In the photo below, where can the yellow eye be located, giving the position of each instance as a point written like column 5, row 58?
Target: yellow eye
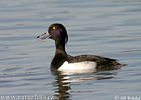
column 54, row 28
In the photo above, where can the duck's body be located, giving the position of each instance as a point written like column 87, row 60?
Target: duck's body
column 63, row 61
column 83, row 62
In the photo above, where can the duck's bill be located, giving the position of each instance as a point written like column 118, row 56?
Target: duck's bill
column 44, row 36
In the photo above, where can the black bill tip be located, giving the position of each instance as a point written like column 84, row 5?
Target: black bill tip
column 38, row 37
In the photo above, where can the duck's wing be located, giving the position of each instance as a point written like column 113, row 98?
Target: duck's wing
column 102, row 62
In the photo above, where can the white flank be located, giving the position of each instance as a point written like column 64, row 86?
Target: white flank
column 78, row 67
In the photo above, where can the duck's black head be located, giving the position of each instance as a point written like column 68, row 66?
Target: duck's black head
column 56, row 32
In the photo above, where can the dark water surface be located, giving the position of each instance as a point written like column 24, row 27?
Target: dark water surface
column 110, row 28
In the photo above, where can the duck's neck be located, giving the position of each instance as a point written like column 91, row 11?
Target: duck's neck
column 60, row 48
column 59, row 57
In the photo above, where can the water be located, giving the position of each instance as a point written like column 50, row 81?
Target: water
column 110, row 28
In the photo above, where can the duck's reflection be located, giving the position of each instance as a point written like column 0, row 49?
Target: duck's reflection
column 61, row 86
column 62, row 83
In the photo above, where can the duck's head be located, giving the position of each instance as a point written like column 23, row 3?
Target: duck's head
column 56, row 32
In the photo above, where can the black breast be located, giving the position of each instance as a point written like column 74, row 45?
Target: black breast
column 58, row 60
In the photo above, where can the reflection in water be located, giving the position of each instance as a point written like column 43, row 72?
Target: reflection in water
column 62, row 84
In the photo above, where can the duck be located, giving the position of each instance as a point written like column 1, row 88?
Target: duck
column 64, row 61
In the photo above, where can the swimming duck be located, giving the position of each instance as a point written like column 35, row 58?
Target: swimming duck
column 63, row 61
